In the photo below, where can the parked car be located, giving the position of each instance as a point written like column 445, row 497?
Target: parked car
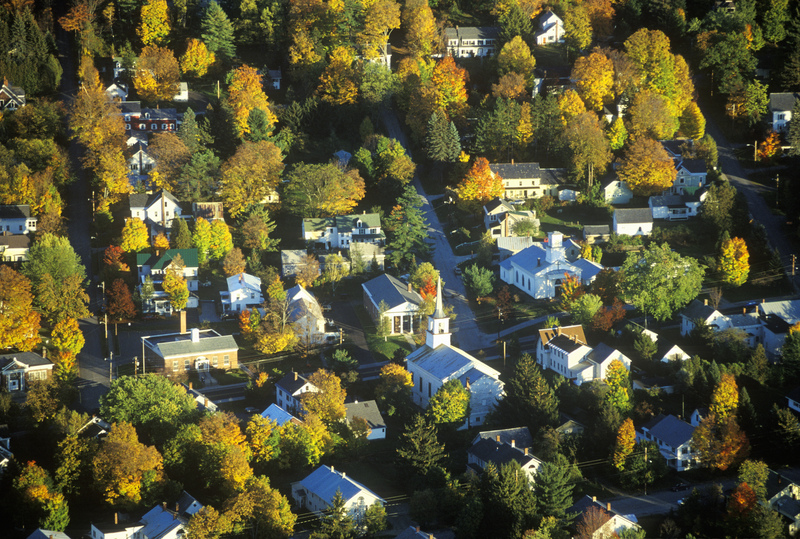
column 679, row 487
column 251, row 410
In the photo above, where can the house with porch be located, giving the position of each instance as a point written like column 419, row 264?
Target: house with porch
column 16, row 219
column 305, row 314
column 147, row 120
column 19, row 369
column 551, row 29
column 781, row 105
column 244, row 291
column 540, row 269
column 674, row 439
column 609, row 523
column 633, row 221
column 338, row 232
column 315, row 492
column 197, row 349
column 155, row 266
column 500, row 217
column 471, row 41
column 495, row 451
column 11, row 97
column 14, row 248
column 564, row 350
column 528, row 180
column 438, row 362
column 675, row 207
column 401, row 300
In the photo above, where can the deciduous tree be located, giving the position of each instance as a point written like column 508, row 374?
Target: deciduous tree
column 626, row 439
column 450, row 404
column 619, row 387
column 233, row 263
column 120, row 301
column 720, row 442
column 197, row 59
column 480, row 183
column 337, row 84
column 170, row 154
column 646, row 167
column 322, row 190
column 328, row 402
column 39, row 503
column 516, row 57
column 590, row 151
column 67, row 336
column 419, row 23
column 245, row 94
column 154, row 26
column 693, row 123
column 584, row 308
column 734, row 262
column 135, row 236
column 479, row 280
column 725, row 398
column 19, row 323
column 380, row 19
column 595, row 79
column 157, row 74
column 251, row 174
column 755, row 474
column 653, row 115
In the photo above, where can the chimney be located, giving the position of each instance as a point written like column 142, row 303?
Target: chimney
column 497, row 438
column 594, row 498
column 183, row 321
column 177, row 507
column 467, row 384
column 333, row 469
column 705, row 302
column 512, row 160
column 538, row 262
column 205, row 402
column 164, row 505
column 525, row 451
column 116, row 518
column 240, row 277
column 417, row 528
column 558, row 330
column 409, row 287
column 190, row 385
column 295, row 375
column 513, row 443
column 195, row 334
column 608, row 507
column 744, row 310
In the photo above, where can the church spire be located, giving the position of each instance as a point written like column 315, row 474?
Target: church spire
column 438, row 312
column 438, row 323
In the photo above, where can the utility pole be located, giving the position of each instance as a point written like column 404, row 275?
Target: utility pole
column 504, row 353
column 645, row 470
column 110, row 368
column 755, row 150
column 341, row 336
column 794, row 257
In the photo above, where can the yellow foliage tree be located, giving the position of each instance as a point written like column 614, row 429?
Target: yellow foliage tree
column 594, row 76
column 734, row 262
column 570, row 104
column 160, row 242
column 693, row 123
column 510, row 86
column 480, row 183
column 134, row 236
column 337, row 84
column 449, row 80
column 393, row 378
column 422, row 36
column 626, row 440
column 245, row 93
column 647, row 168
column 19, row 323
column 328, row 401
column 197, row 58
column 154, row 27
column 250, row 174
column 769, row 148
column 516, row 57
column 381, row 17
column 271, row 342
column 725, row 398
column 262, row 434
column 157, row 74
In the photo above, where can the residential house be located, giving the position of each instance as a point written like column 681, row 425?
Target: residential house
column 528, row 180
column 19, row 369
column 155, row 266
column 743, row 319
column 198, row 349
column 566, row 194
column 471, row 41
column 551, row 29
column 338, row 232
column 569, row 426
column 613, row 524
column 14, row 248
column 596, row 233
column 5, row 453
column 783, row 496
column 158, row 523
column 565, row 351
column 305, row 313
column 674, row 439
column 368, row 411
column 698, row 311
column 117, row 91
column 183, row 93
column 438, row 362
column 275, row 77
column 499, row 217
column 793, row 399
column 633, row 221
column 289, row 389
column 617, row 192
column 690, row 174
column 149, row 120
column 16, row 219
column 697, row 416
column 780, row 109
column 39, row 533
column 402, row 302
column 725, row 6
column 316, row 491
column 667, row 352
column 131, row 111
column 210, row 211
column 675, row 207
column 778, row 317
column 157, row 210
column 540, row 270
column 292, row 261
column 116, row 529
column 414, row 532
column 203, row 403
column 519, row 437
column 95, row 428
column 244, row 291
column 509, row 246
column 654, row 384
column 370, row 253
column 279, row 415
column 140, row 163
column 492, row 450
column 11, row 97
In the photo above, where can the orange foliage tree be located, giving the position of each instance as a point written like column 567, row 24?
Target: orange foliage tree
column 770, row 148
column 626, row 440
column 245, row 93
column 480, row 184
column 571, row 289
column 720, row 442
column 450, row 82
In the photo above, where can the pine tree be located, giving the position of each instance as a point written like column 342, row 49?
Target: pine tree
column 180, row 236
column 408, row 229
column 443, row 143
column 259, row 124
column 529, row 399
column 794, row 126
column 337, row 523
column 191, row 133
column 419, row 446
column 507, row 500
column 553, row 489
column 217, row 32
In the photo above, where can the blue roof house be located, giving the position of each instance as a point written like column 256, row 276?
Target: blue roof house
column 317, row 490
column 674, row 439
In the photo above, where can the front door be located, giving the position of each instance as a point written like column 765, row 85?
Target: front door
column 201, row 364
column 397, row 321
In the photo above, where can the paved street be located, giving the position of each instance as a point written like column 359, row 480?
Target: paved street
column 657, row 503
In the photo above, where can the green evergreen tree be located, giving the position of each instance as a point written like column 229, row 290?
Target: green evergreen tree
column 337, row 522
column 419, row 447
column 507, row 501
column 259, row 124
column 553, row 489
column 775, row 21
column 192, row 133
column 409, row 228
column 794, row 125
column 442, row 141
column 199, row 177
column 514, row 22
column 180, row 237
column 529, row 399
column 217, row 33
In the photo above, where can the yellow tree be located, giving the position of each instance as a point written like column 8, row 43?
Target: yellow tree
column 175, row 283
column 263, row 437
column 337, row 83
column 154, row 27
column 245, row 93
column 223, row 428
column 160, row 242
column 647, row 168
column 197, row 58
column 67, row 336
column 734, row 262
column 392, row 379
column 480, row 184
column 250, row 174
column 594, row 76
column 381, row 17
column 422, row 36
column 626, row 440
column 272, row 342
column 449, row 80
column 19, row 323
column 725, row 398
column 570, row 105
column 693, row 123
column 328, row 401
column 157, row 74
column 516, row 57
column 652, row 115
column 134, row 236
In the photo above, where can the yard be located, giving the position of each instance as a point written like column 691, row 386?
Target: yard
column 382, row 349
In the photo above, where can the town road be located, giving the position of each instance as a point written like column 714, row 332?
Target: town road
column 466, row 333
column 657, row 503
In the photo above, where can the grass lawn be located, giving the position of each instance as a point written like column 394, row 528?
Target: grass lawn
column 232, row 376
column 551, row 55
column 383, row 350
column 486, row 313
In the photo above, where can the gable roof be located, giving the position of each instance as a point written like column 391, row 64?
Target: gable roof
column 302, row 302
column 514, row 243
column 598, row 230
column 521, row 436
column 31, row 359
column 130, row 107
column 181, row 344
column 156, row 262
column 344, row 222
column 445, row 362
column 497, row 203
column 548, row 334
column 472, row 32
column 15, row 241
column 633, row 215
column 669, row 429
column 788, row 310
column 278, row 415
column 244, row 280
column 367, row 410
column 521, row 171
column 602, row 352
column 500, row 453
column 565, row 343
column 292, row 382
column 325, row 482
column 144, row 200
column 694, row 166
column 39, row 533
column 391, row 290
column 15, row 211
column 781, row 101
column 698, row 310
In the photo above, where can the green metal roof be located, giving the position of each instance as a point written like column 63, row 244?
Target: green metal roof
column 189, row 257
column 368, row 220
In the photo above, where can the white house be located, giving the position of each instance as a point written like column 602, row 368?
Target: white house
column 612, row 526
column 780, row 108
column 183, row 93
column 499, row 217
column 368, row 411
column 783, row 496
column 157, row 210
column 540, row 270
column 793, row 399
column 778, row 317
column 279, row 415
column 155, row 267
column 244, row 290
column 674, row 439
column 402, row 302
column 161, row 522
column 338, row 232
column 675, row 207
column 594, row 234
column 317, row 490
column 16, row 219
column 438, row 362
column 140, row 163
column 117, row 91
column 617, row 192
column 305, row 314
column 633, row 221
column 497, row 452
column 19, row 369
column 11, row 97
column 288, row 390
column 745, row 320
column 471, row 41
column 702, row 311
column 551, row 29
column 528, row 180
column 564, row 350
column 370, row 253
column 14, row 248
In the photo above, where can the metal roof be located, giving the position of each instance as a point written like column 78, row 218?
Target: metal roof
column 669, row 429
column 391, row 290
column 445, row 362
column 277, row 414
column 31, row 359
column 325, row 482
column 521, row 436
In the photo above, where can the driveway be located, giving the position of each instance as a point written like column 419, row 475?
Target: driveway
column 343, row 314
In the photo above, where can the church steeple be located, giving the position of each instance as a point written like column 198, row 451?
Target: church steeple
column 438, row 323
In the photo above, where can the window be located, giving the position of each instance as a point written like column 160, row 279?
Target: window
column 154, row 127
column 429, row 390
column 164, row 126
column 187, row 364
column 174, row 365
column 226, row 360
column 37, row 375
column 215, row 361
column 127, row 127
column 20, row 227
column 420, row 384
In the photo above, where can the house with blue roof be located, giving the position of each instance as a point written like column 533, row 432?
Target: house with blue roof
column 436, row 363
column 401, row 302
column 674, row 439
column 539, row 270
column 317, row 490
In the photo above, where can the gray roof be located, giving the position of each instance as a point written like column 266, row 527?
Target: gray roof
column 325, row 481
column 181, row 344
column 669, row 429
column 292, row 382
column 144, row 200
column 520, row 171
column 521, row 436
column 782, row 100
column 391, row 290
column 514, row 243
column 563, row 342
column 277, row 414
column 445, row 361
column 39, row 533
column 497, row 203
column 367, row 410
column 601, row 352
column 695, row 166
column 666, row 200
column 130, row 107
column 499, row 453
column 698, row 310
column 16, row 241
column 472, row 32
column 596, row 230
column 633, row 215
column 788, row 310
column 12, row 211
column 344, row 222
column 31, row 359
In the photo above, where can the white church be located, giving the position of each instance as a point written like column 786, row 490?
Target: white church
column 438, row 362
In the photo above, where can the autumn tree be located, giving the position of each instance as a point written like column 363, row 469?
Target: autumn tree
column 733, row 264
column 394, row 387
column 380, row 19
column 120, row 301
column 571, row 290
column 251, row 174
column 67, row 336
column 422, row 35
column 221, row 240
column 653, row 115
column 755, row 473
column 154, row 27
column 589, row 147
column 234, row 263
column 246, row 93
column 647, row 167
column 170, row 154
column 591, row 520
column 308, row 271
column 450, row 404
column 322, row 190
column 258, row 506
column 725, row 398
column 38, row 501
column 619, row 390
column 769, row 148
column 720, row 442
column 197, row 59
column 337, row 84
column 480, row 183
column 328, row 402
column 595, row 79
column 449, row 81
column 577, row 28
column 135, row 236
column 19, row 323
column 157, row 74
column 175, row 283
column 626, row 439
column 510, row 86
column 255, row 227
column 124, row 468
column 263, row 436
column 692, row 121
column 217, row 32
column 516, row 57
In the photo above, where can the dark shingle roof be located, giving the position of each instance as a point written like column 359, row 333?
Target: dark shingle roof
column 596, row 230
column 697, row 309
column 367, row 410
column 695, row 166
column 292, row 382
column 562, row 342
column 144, row 200
column 472, row 32
column 16, row 241
column 520, row 171
column 130, row 107
column 344, row 222
column 499, row 453
column 11, row 211
column 633, row 215
column 669, row 429
column 520, row 435
column 391, row 290
column 782, row 100
column 32, row 359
